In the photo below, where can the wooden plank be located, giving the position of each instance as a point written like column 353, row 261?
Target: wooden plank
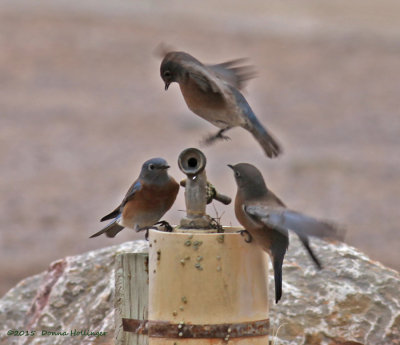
column 131, row 295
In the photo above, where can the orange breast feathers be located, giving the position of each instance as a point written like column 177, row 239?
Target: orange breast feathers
column 259, row 231
column 152, row 199
column 197, row 99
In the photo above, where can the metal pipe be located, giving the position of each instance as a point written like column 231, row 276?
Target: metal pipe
column 192, row 162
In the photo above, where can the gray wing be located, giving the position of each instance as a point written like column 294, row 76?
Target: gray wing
column 129, row 195
column 233, row 73
column 136, row 186
column 203, row 77
column 283, row 219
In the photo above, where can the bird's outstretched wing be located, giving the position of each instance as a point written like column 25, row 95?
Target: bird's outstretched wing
column 281, row 218
column 203, row 77
column 234, row 72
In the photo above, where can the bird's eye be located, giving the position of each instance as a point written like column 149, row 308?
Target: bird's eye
column 151, row 167
column 237, row 173
column 167, row 74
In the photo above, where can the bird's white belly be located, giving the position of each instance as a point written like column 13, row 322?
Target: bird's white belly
column 221, row 118
column 142, row 221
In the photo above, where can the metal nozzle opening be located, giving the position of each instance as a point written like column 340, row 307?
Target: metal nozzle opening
column 192, row 161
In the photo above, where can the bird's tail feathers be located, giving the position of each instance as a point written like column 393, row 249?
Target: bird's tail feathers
column 277, row 263
column 111, row 230
column 267, row 141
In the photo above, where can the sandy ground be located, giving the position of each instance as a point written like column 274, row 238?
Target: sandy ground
column 82, row 106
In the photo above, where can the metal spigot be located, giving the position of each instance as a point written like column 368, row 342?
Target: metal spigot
column 198, row 192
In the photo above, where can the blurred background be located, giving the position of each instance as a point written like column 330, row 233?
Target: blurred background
column 82, row 106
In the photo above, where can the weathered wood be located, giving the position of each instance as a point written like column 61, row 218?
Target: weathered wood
column 216, row 283
column 131, row 295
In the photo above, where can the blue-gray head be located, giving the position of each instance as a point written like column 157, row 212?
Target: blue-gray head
column 249, row 180
column 154, row 171
column 172, row 69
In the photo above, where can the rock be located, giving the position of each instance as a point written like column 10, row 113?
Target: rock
column 352, row 301
column 74, row 295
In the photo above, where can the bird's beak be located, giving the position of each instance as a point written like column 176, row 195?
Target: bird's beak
column 231, row 166
column 167, row 85
column 165, row 167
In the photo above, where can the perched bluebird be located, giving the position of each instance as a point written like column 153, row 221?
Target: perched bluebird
column 211, row 91
column 146, row 201
column 267, row 220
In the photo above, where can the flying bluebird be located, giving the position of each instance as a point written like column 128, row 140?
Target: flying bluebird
column 212, row 92
column 146, row 201
column 268, row 221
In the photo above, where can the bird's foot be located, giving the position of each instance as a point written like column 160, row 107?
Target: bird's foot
column 247, row 235
column 215, row 224
column 221, row 136
column 165, row 224
column 214, row 137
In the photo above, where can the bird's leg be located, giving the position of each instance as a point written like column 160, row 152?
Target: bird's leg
column 165, row 224
column 218, row 136
column 248, row 238
column 146, row 234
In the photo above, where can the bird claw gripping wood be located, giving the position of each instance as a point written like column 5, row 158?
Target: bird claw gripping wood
column 247, row 236
column 165, row 224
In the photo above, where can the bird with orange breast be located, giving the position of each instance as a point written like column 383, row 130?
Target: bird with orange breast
column 267, row 220
column 146, row 201
column 212, row 92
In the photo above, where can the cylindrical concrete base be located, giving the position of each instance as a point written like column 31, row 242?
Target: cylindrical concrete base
column 206, row 279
